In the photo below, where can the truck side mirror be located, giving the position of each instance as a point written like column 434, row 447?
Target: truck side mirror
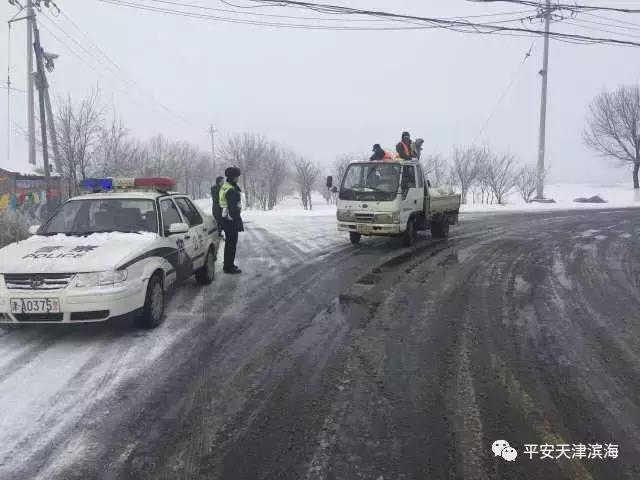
column 329, row 182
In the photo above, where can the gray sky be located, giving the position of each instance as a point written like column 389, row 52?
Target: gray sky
column 324, row 93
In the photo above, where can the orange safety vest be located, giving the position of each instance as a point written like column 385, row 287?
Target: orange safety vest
column 407, row 150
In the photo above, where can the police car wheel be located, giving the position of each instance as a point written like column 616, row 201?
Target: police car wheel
column 154, row 303
column 207, row 272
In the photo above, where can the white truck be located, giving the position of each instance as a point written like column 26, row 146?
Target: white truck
column 393, row 199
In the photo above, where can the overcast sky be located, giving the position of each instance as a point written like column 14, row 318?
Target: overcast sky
column 324, row 93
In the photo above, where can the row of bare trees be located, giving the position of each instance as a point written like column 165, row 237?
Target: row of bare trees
column 94, row 142
column 269, row 171
column 489, row 176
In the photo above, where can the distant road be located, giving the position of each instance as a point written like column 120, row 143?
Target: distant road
column 328, row 361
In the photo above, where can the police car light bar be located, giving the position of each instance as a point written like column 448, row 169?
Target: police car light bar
column 96, row 184
column 162, row 184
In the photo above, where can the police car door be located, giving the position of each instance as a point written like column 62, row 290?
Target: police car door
column 182, row 258
column 197, row 230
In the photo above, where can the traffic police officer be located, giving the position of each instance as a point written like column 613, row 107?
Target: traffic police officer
column 231, row 205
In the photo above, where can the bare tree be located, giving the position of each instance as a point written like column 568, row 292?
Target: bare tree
column 466, row 168
column 499, row 175
column 306, row 175
column 246, row 151
column 271, row 176
column 435, row 168
column 526, row 181
column 78, row 129
column 613, row 127
column 340, row 166
column 115, row 152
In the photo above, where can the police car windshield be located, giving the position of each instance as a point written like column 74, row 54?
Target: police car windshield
column 82, row 217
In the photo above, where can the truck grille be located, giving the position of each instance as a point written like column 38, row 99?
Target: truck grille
column 365, row 217
column 45, row 281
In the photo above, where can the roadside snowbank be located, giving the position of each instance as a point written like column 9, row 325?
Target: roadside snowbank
column 616, row 196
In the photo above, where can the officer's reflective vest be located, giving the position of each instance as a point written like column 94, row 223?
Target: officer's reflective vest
column 222, row 198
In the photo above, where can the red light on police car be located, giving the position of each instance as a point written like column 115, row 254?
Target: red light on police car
column 161, row 183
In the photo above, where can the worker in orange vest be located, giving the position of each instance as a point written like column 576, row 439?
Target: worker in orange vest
column 404, row 147
column 380, row 155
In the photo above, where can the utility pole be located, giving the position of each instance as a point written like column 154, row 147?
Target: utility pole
column 543, row 105
column 212, row 132
column 41, row 82
column 31, row 118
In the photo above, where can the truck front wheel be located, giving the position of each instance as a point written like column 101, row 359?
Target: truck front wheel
column 410, row 233
column 355, row 238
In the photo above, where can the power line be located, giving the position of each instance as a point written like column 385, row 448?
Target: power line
column 259, row 14
column 514, row 77
column 107, row 63
column 223, row 19
column 447, row 24
column 562, row 6
column 306, row 26
column 463, row 26
column 13, row 89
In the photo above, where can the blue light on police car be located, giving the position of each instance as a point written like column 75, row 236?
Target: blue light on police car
column 97, row 184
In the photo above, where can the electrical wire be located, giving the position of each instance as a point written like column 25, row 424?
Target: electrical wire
column 504, row 94
column 557, row 5
column 182, row 13
column 455, row 25
column 108, row 64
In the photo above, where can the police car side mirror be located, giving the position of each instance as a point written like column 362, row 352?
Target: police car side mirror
column 178, row 228
column 33, row 229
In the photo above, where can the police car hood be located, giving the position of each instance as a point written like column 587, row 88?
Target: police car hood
column 74, row 254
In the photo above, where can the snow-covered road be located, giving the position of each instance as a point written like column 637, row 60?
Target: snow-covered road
column 325, row 360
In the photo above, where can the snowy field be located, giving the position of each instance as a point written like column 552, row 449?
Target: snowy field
column 564, row 194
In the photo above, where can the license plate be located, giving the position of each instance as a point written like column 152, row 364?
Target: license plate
column 364, row 229
column 35, row 305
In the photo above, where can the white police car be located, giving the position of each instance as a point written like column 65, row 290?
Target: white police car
column 108, row 254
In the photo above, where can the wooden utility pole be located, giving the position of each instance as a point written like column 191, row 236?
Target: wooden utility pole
column 41, row 83
column 543, row 105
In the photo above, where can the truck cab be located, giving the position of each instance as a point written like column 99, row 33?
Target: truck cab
column 393, row 199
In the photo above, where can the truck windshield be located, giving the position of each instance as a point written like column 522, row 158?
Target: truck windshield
column 83, row 217
column 370, row 181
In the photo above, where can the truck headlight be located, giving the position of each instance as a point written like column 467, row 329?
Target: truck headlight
column 395, row 217
column 344, row 215
column 101, row 279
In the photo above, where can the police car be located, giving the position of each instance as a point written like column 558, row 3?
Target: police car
column 108, row 253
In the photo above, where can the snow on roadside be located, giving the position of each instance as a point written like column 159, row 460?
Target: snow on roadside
column 564, row 194
column 310, row 230
column 290, row 215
